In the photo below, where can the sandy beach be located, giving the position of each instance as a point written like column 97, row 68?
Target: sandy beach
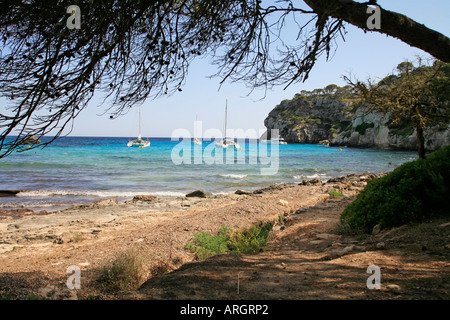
column 306, row 259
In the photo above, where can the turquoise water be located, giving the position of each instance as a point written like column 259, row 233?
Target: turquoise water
column 74, row 170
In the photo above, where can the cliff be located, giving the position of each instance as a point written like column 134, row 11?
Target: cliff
column 310, row 118
column 336, row 116
column 375, row 130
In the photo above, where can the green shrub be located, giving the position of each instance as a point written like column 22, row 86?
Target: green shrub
column 205, row 245
column 335, row 194
column 414, row 192
column 124, row 272
column 251, row 241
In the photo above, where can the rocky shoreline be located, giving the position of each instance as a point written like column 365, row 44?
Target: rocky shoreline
column 36, row 250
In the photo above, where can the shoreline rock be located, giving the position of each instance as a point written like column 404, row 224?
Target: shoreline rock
column 30, row 140
column 9, row 193
column 198, row 194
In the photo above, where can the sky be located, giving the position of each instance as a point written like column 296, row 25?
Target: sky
column 362, row 54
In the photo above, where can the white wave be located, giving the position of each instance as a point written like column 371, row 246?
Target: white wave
column 233, row 176
column 99, row 194
column 320, row 176
column 165, row 194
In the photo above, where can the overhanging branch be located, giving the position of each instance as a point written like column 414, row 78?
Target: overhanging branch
column 393, row 24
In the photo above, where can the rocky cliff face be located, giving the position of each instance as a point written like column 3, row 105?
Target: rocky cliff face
column 374, row 130
column 312, row 119
column 309, row 119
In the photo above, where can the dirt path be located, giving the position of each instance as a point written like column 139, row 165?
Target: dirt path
column 306, row 259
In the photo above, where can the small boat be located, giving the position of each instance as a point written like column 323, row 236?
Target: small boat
column 274, row 140
column 227, row 142
column 139, row 142
column 196, row 140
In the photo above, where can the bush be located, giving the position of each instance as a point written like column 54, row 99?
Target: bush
column 336, row 194
column 124, row 272
column 206, row 245
column 414, row 192
column 250, row 241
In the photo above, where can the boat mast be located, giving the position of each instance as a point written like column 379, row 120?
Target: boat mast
column 195, row 126
column 225, row 126
column 139, row 137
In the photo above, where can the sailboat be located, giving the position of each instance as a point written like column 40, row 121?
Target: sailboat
column 139, row 142
column 227, row 142
column 196, row 140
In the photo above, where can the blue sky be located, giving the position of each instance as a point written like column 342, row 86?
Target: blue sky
column 364, row 55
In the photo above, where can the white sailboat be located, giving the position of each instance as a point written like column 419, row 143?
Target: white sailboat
column 139, row 142
column 196, row 140
column 227, row 142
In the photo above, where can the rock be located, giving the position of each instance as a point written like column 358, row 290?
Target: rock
column 9, row 193
column 311, row 182
column 144, row 198
column 327, row 236
column 283, row 202
column 376, row 230
column 340, row 252
column 197, row 194
column 393, row 288
column 104, row 203
column 242, row 192
column 380, row 245
column 348, row 249
column 84, row 264
column 301, row 210
column 30, row 140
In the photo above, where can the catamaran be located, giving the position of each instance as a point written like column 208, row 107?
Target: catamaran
column 139, row 142
column 227, row 142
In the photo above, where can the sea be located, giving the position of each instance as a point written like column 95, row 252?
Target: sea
column 79, row 170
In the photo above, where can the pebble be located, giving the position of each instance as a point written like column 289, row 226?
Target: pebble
column 393, row 288
column 327, row 236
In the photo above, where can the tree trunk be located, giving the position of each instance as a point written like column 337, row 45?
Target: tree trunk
column 420, row 142
column 392, row 23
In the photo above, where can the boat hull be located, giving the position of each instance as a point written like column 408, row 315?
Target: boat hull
column 227, row 146
column 142, row 144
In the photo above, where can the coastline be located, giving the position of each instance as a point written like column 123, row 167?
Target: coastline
column 36, row 250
